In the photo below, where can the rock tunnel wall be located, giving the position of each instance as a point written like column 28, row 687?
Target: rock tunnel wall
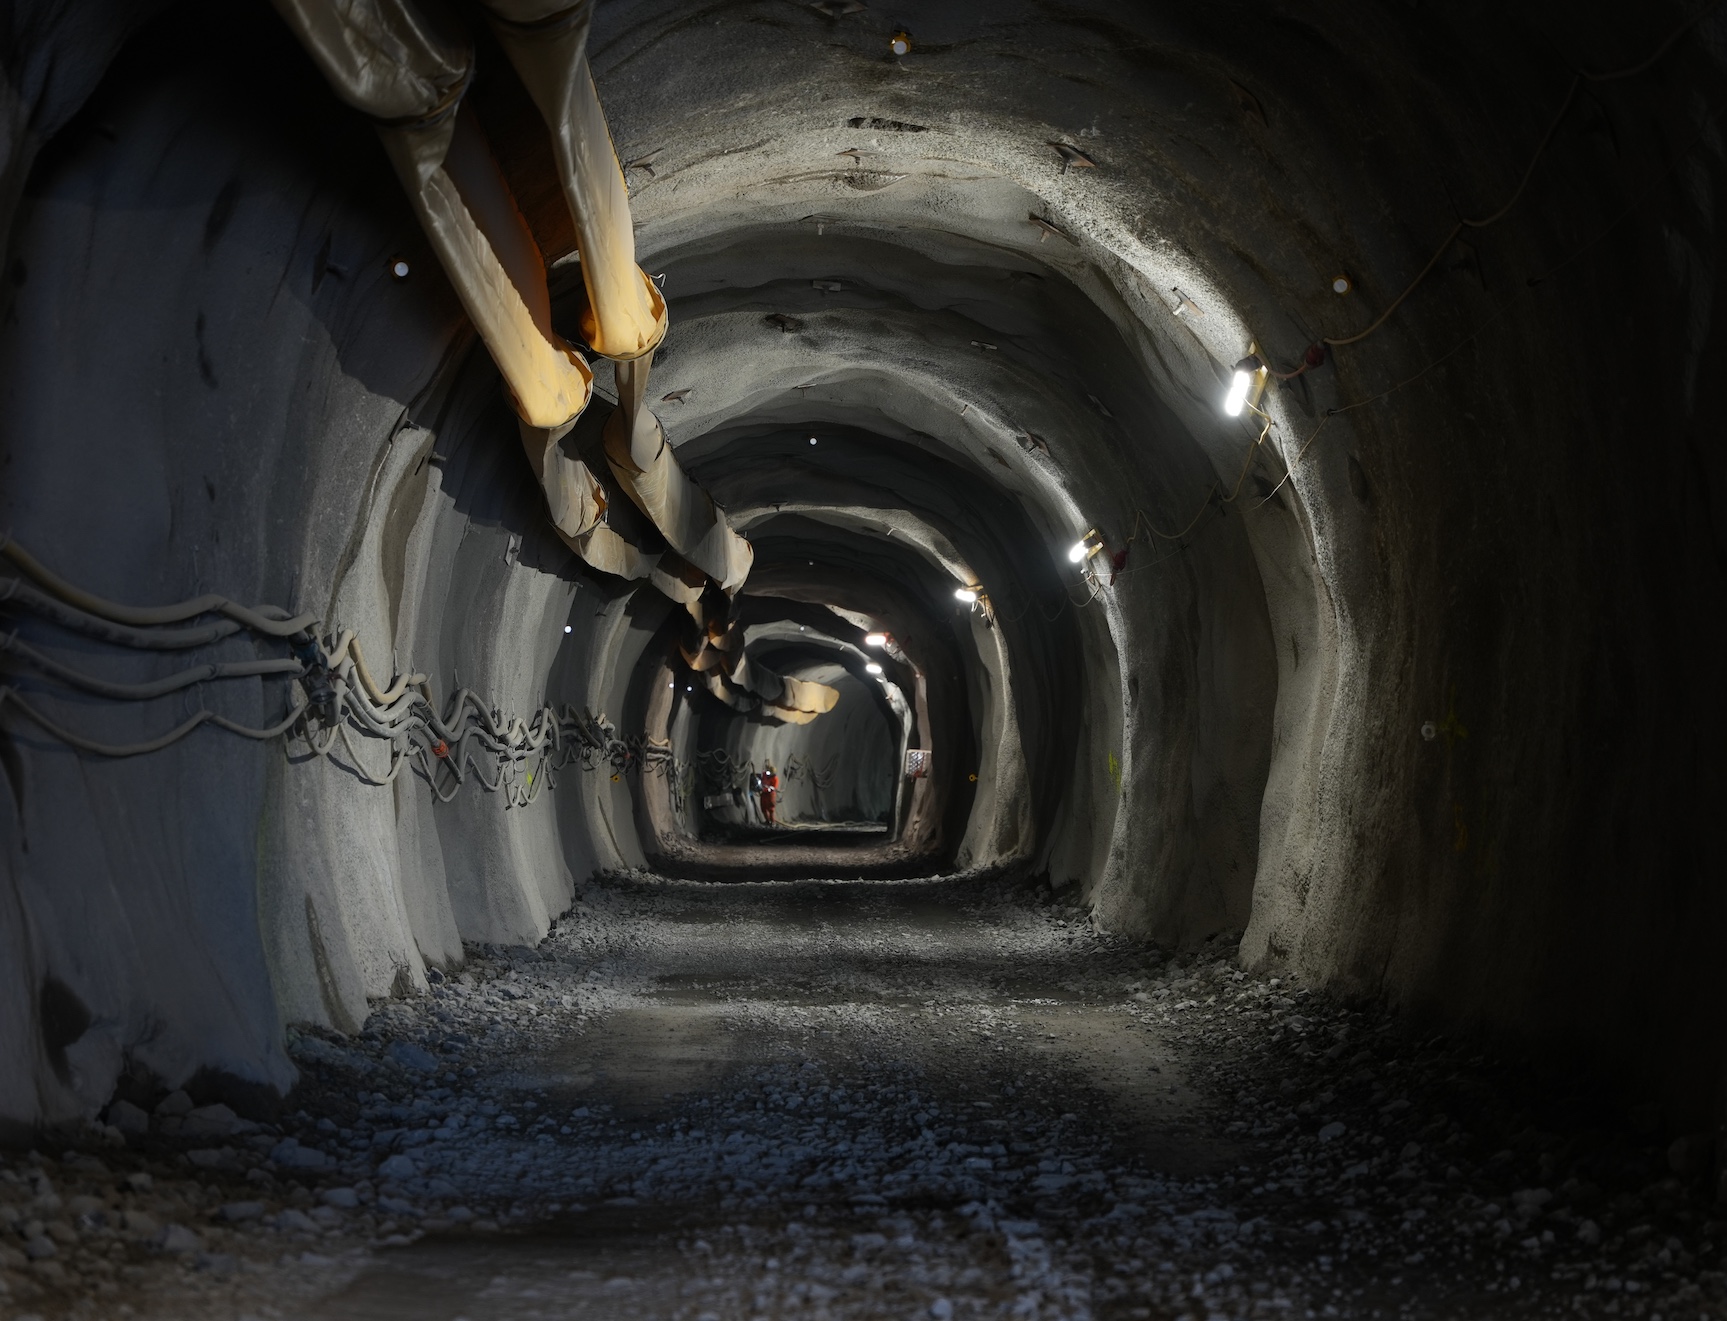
column 1503, row 520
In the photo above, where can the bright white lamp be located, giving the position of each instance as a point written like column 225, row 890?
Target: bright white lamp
column 1246, row 372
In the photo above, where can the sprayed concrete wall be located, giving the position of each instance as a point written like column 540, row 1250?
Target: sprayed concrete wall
column 1495, row 519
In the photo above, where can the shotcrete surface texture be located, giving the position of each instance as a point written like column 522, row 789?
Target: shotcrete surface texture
column 941, row 1099
column 1495, row 539
column 1470, row 545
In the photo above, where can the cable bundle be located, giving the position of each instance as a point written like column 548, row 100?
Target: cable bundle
column 334, row 695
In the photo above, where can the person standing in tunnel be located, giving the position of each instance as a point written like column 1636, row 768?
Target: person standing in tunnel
column 770, row 792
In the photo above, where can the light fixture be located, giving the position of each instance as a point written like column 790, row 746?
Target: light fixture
column 875, row 639
column 568, row 629
column 812, row 440
column 1249, row 379
column 399, row 267
column 873, row 668
column 1090, row 544
column 966, row 594
column 900, row 42
column 1341, row 284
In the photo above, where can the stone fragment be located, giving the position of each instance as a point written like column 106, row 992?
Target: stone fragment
column 289, row 1154
column 128, row 1118
column 410, row 1056
column 398, row 1167
column 1332, row 1131
column 345, row 1199
column 215, row 1121
column 292, row 1221
column 178, row 1239
column 237, row 1212
column 139, row 1223
column 1691, row 1155
column 175, row 1105
column 39, row 1247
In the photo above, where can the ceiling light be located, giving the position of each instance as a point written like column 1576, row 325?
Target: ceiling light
column 900, row 42
column 812, row 440
column 1247, row 372
column 966, row 594
column 400, row 268
column 567, row 628
column 873, row 668
column 1342, row 284
column 1090, row 544
column 875, row 639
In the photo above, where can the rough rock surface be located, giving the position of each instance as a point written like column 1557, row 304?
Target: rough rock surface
column 939, row 1098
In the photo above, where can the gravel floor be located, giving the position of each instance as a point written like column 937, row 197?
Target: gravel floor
column 893, row 1099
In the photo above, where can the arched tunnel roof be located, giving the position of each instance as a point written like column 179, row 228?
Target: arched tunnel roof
column 1397, row 679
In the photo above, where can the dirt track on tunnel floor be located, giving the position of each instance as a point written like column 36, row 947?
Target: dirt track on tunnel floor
column 913, row 1099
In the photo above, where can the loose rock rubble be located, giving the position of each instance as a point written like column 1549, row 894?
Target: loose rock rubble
column 942, row 1099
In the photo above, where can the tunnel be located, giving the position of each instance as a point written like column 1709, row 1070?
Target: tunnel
column 1120, row 725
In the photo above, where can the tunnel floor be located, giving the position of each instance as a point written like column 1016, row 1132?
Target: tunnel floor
column 903, row 1099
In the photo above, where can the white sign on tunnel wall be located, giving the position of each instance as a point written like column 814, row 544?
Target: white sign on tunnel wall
column 916, row 763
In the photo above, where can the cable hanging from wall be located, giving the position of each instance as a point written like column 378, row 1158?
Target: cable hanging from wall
column 334, row 696
column 1316, row 353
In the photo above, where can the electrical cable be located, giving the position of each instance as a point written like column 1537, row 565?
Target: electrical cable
column 15, row 591
column 272, row 621
column 1577, row 80
column 11, row 696
column 1504, row 308
column 145, row 691
column 1141, row 518
column 336, row 697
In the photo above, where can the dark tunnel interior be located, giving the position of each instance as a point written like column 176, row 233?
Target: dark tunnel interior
column 1094, row 694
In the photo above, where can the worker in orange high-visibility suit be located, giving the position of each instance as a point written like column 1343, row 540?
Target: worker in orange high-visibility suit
column 770, row 791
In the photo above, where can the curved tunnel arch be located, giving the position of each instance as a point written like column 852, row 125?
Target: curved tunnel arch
column 1225, row 737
